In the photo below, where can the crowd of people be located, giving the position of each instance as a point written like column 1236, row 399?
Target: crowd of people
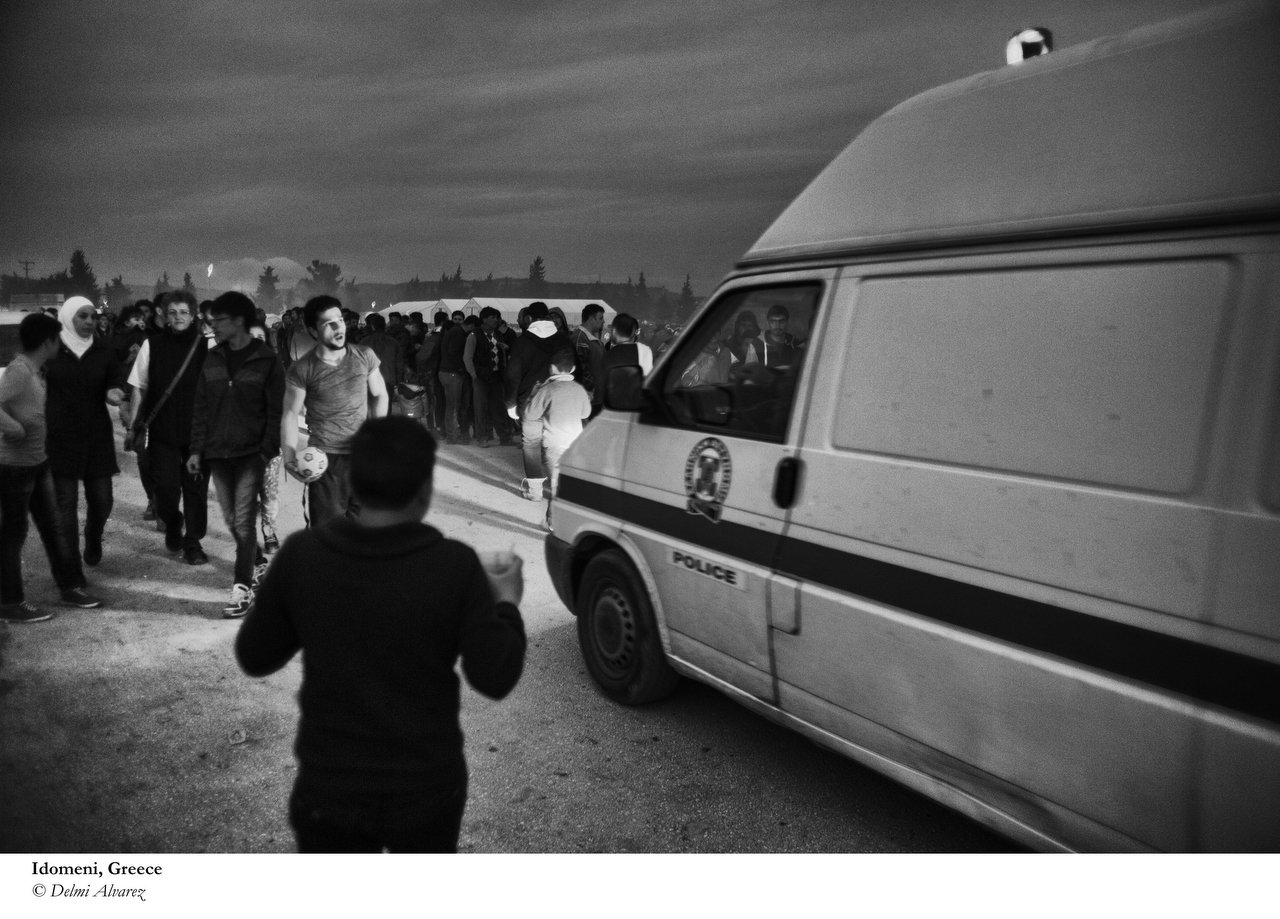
column 217, row 391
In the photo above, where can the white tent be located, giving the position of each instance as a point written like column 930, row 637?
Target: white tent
column 510, row 307
column 426, row 307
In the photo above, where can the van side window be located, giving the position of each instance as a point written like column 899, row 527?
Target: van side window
column 736, row 372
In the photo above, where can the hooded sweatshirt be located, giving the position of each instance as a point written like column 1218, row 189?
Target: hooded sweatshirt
column 379, row 693
column 530, row 361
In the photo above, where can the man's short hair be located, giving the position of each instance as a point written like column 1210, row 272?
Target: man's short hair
column 489, row 311
column 440, row 318
column 178, row 296
column 458, row 315
column 391, row 459
column 394, row 315
column 537, row 311
column 590, row 311
column 416, row 315
column 625, row 325
column 317, row 307
column 375, row 322
column 37, row 328
column 778, row 311
column 471, row 322
column 237, row 306
column 133, row 309
column 563, row 360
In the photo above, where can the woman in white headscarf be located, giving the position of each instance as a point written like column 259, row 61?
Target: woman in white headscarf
column 83, row 379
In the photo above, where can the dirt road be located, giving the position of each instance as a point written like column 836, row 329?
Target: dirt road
column 131, row 729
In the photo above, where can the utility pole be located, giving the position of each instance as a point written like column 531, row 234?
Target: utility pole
column 26, row 271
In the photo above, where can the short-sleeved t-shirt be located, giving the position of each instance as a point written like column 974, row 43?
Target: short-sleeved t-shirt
column 22, row 393
column 337, row 395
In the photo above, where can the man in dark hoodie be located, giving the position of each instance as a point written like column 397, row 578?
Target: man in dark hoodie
column 235, row 430
column 380, row 751
column 529, row 365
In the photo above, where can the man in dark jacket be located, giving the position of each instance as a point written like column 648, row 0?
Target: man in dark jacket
column 163, row 358
column 454, row 379
column 427, row 362
column 389, row 349
column 485, row 358
column 529, row 365
column 235, row 431
column 380, row 751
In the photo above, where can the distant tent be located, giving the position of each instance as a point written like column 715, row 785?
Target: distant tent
column 426, row 307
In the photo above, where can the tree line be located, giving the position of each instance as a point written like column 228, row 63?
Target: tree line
column 322, row 277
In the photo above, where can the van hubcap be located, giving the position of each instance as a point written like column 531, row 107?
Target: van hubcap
column 614, row 625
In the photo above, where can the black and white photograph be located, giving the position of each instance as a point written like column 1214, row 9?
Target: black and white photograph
column 726, row 454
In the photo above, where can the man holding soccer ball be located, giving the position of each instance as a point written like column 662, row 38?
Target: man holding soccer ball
column 340, row 386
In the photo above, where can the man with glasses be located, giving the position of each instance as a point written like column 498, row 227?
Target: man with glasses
column 165, row 410
column 336, row 382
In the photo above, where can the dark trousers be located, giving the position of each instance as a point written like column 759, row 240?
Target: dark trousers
column 174, row 483
column 330, row 495
column 236, row 482
column 435, row 400
column 457, row 403
column 426, row 821
column 28, row 490
column 98, row 501
column 144, row 473
column 490, row 408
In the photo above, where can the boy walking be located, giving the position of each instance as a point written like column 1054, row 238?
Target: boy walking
column 235, row 430
column 561, row 405
column 381, row 764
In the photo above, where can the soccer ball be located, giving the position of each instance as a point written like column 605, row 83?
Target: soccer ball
column 312, row 463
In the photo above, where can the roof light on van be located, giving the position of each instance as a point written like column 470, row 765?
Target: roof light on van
column 1031, row 42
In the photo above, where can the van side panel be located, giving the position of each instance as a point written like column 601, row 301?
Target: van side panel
column 1013, row 489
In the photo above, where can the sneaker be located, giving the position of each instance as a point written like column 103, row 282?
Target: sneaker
column 194, row 555
column 270, row 542
column 238, row 605
column 150, row 512
column 22, row 611
column 77, row 596
column 259, row 572
column 531, row 489
column 92, row 551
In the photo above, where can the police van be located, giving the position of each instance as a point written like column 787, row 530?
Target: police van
column 970, row 470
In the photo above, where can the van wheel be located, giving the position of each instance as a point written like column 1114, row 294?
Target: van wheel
column 618, row 634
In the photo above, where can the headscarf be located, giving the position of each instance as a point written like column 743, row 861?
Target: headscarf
column 70, row 337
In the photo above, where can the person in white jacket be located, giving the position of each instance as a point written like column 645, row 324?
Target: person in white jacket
column 561, row 405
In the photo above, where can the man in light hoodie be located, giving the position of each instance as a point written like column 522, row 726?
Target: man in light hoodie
column 529, row 365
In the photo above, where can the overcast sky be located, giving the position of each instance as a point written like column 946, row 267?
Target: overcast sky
column 406, row 137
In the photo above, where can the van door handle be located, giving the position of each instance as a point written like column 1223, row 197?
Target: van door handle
column 786, row 482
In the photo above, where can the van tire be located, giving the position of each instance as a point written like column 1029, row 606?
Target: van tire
column 619, row 635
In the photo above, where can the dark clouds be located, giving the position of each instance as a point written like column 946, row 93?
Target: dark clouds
column 402, row 138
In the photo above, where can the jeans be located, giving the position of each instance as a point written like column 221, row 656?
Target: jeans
column 172, row 482
column 29, row 490
column 270, row 494
column 98, row 501
column 236, row 482
column 426, row 821
column 490, row 409
column 453, row 412
column 531, row 446
column 330, row 496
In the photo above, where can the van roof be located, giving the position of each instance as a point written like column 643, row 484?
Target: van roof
column 1167, row 124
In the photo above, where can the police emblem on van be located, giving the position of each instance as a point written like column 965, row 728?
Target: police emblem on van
column 707, row 476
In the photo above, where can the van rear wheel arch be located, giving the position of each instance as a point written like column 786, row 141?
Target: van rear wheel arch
column 618, row 632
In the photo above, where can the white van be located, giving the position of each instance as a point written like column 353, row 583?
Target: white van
column 998, row 515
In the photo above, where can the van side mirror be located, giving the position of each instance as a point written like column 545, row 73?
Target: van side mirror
column 624, row 389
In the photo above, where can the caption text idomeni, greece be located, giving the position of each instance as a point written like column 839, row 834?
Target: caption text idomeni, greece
column 114, row 869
